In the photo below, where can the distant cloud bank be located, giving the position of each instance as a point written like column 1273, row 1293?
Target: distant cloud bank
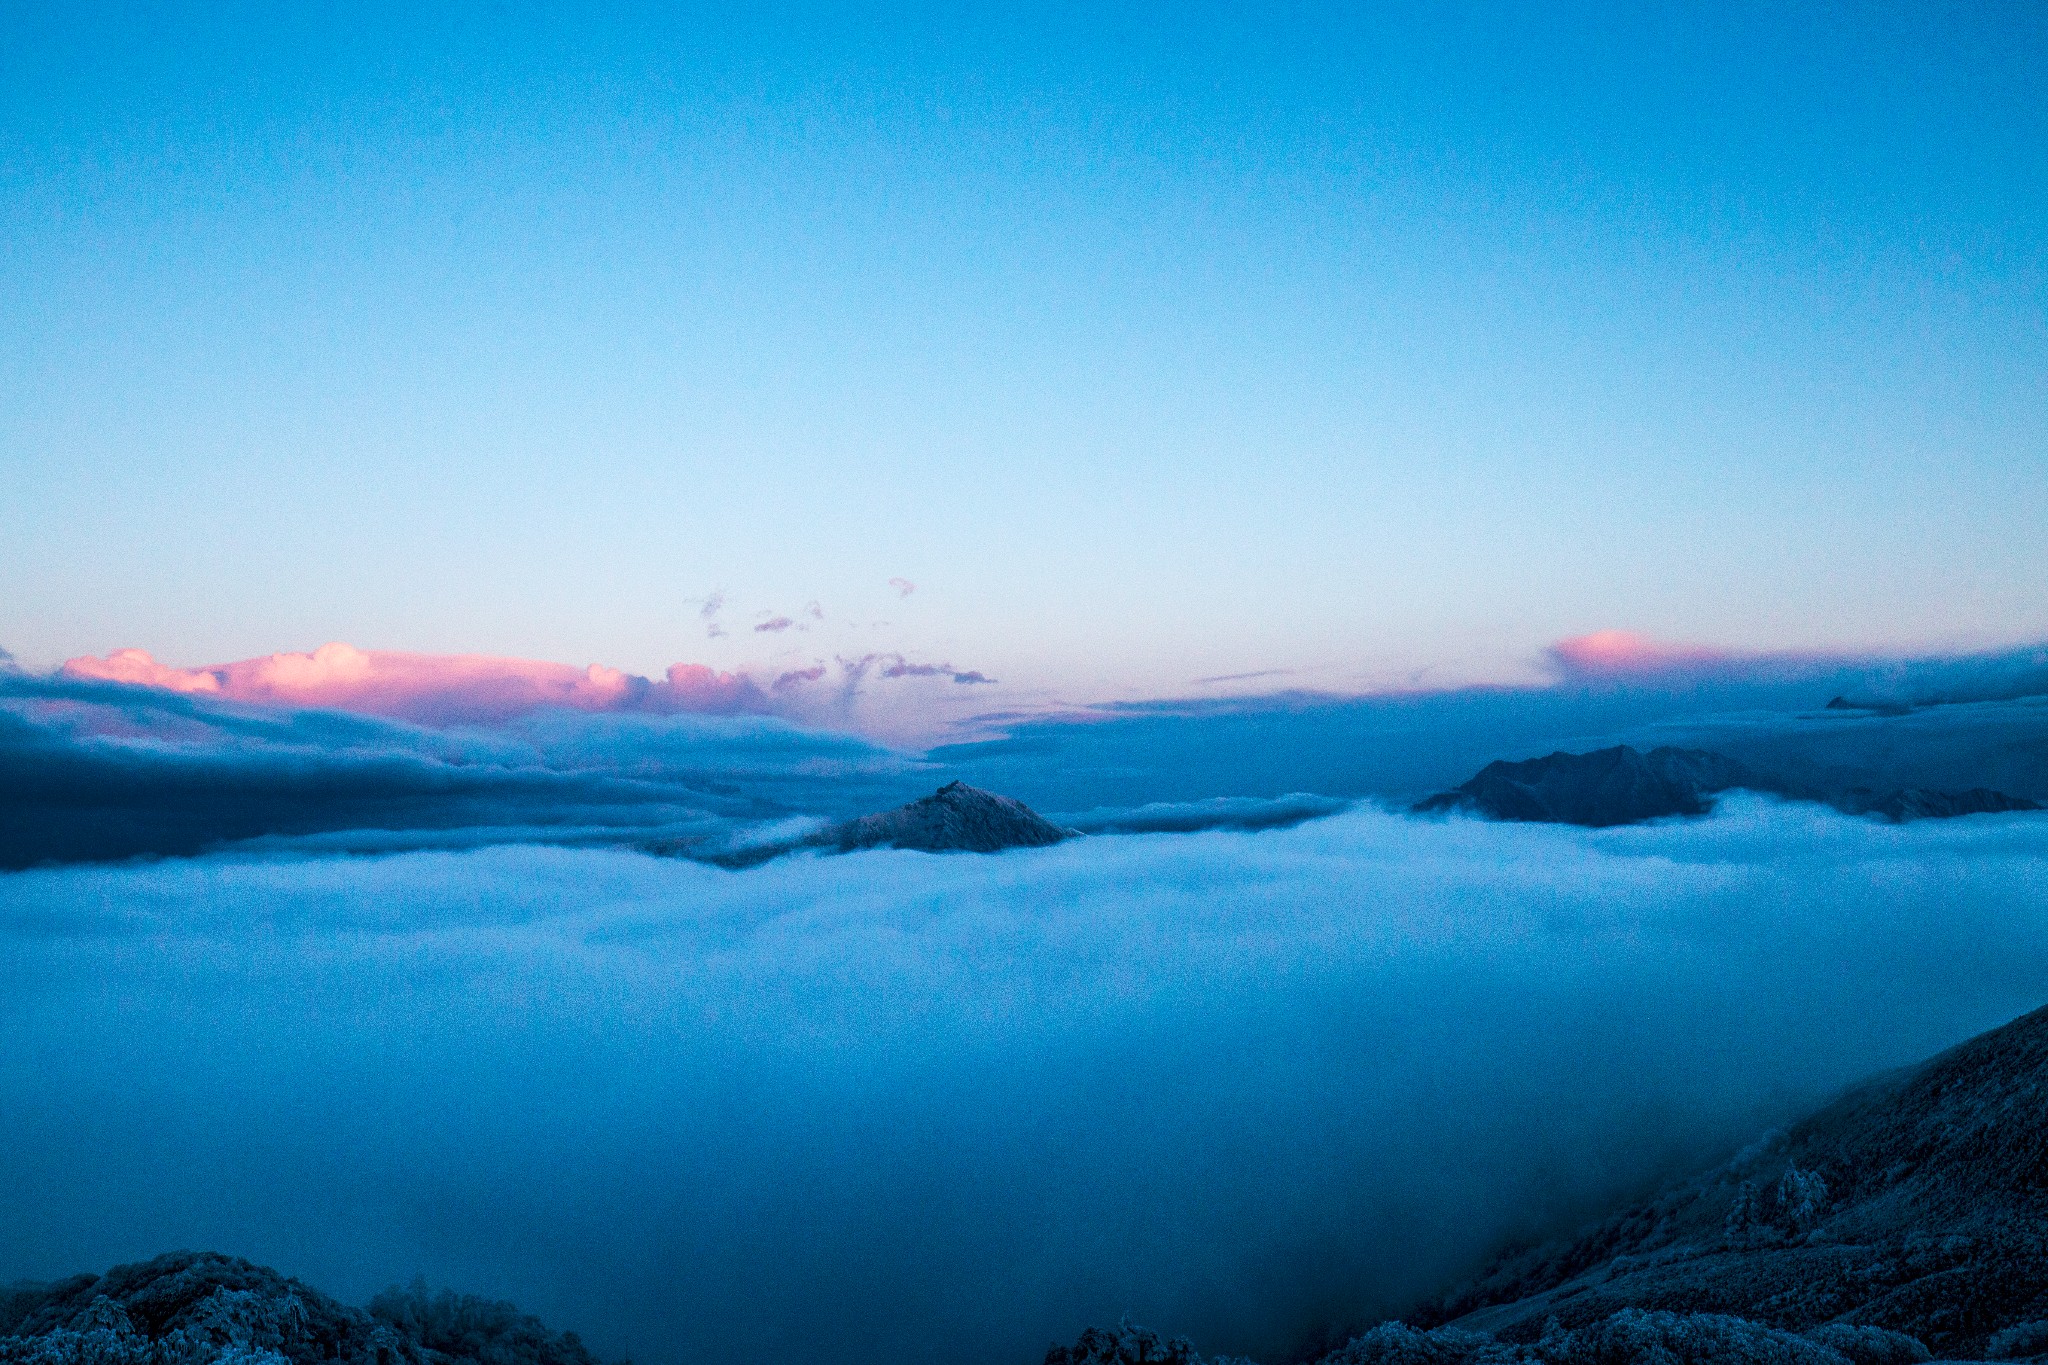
column 431, row 688
column 472, row 689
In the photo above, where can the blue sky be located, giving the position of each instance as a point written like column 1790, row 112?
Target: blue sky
column 1377, row 347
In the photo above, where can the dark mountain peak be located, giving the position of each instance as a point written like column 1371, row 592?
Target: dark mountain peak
column 1619, row 785
column 956, row 818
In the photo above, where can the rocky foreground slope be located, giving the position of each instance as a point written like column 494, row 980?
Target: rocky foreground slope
column 1906, row 1221
column 202, row 1308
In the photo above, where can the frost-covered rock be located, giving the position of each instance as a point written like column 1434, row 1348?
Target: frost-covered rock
column 201, row 1308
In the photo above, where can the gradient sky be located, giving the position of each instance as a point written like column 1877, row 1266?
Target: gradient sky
column 1373, row 346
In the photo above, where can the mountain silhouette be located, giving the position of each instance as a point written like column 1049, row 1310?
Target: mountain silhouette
column 1622, row 785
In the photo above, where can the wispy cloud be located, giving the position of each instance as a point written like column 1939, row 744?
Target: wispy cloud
column 904, row 587
column 708, row 614
column 895, row 666
column 1247, row 677
column 774, row 625
column 798, row 677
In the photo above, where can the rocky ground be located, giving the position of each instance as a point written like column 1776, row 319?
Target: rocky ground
column 202, row 1308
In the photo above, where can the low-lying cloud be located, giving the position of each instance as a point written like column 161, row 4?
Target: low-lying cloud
column 1219, row 812
column 894, row 1107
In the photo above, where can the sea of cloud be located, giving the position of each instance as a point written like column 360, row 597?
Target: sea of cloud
column 1247, row 1086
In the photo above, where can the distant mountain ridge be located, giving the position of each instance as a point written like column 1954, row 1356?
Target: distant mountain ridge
column 1622, row 785
column 1615, row 786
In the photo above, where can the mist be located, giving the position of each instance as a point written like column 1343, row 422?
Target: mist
column 1251, row 1087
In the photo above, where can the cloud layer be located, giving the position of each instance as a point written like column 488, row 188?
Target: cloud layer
column 892, row 1107
column 95, row 770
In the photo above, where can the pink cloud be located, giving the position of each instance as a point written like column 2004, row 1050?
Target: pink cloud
column 430, row 688
column 135, row 666
column 1621, row 653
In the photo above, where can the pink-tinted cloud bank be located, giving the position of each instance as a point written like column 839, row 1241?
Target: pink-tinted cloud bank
column 435, row 689
column 1624, row 654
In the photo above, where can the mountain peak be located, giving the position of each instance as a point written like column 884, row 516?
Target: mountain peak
column 956, row 818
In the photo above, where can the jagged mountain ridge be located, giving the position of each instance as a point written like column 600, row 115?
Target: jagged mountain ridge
column 1622, row 785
